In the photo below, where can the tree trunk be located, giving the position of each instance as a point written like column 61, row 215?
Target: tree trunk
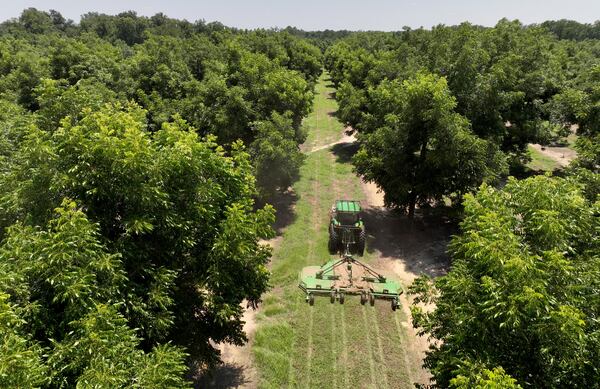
column 411, row 206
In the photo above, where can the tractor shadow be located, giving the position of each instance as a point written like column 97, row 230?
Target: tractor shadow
column 420, row 245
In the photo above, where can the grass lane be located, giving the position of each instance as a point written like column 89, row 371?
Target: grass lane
column 327, row 345
column 541, row 162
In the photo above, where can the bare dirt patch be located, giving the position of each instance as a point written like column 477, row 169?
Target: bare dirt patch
column 237, row 369
column 346, row 138
column 562, row 155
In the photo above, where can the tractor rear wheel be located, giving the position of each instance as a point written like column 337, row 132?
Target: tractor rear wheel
column 332, row 245
column 363, row 298
column 372, row 299
column 362, row 238
column 394, row 304
column 342, row 297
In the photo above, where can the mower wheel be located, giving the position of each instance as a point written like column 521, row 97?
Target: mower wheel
column 342, row 297
column 332, row 297
column 394, row 304
column 372, row 299
column 363, row 298
column 311, row 299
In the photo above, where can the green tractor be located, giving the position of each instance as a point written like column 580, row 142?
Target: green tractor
column 338, row 278
column 346, row 228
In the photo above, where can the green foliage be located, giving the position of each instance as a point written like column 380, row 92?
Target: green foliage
column 174, row 208
column 21, row 363
column 142, row 123
column 522, row 292
column 101, row 351
column 58, row 101
column 276, row 154
column 588, row 144
column 515, row 84
column 57, row 277
column 570, row 29
column 220, row 80
column 484, row 379
column 417, row 148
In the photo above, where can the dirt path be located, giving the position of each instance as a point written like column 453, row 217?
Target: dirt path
column 237, row 369
column 562, row 155
column 347, row 138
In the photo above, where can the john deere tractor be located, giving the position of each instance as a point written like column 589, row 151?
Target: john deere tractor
column 346, row 228
column 338, row 278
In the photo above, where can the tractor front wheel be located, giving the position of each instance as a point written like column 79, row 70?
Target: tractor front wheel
column 394, row 304
column 372, row 299
column 311, row 299
column 342, row 297
column 332, row 297
column 363, row 298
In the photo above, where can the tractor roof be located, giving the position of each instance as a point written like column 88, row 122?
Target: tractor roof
column 347, row 206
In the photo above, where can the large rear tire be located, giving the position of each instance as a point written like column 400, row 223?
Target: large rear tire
column 362, row 238
column 332, row 245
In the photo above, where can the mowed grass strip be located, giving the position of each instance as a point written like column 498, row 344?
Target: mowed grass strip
column 323, row 128
column 326, row 345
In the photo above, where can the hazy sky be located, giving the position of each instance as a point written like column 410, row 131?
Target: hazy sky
column 332, row 14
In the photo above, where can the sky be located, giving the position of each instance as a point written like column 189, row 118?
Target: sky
column 385, row 15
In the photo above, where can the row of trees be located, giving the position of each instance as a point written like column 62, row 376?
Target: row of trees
column 131, row 153
column 221, row 81
column 480, row 94
column 522, row 296
column 570, row 29
column 440, row 112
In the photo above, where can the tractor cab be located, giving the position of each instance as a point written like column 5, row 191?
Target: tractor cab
column 346, row 228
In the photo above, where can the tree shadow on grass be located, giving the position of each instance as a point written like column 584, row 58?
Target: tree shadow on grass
column 420, row 244
column 523, row 172
column 344, row 151
column 224, row 376
column 284, row 203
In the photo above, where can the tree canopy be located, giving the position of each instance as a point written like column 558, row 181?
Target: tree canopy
column 132, row 153
column 522, row 294
column 512, row 85
column 417, row 148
